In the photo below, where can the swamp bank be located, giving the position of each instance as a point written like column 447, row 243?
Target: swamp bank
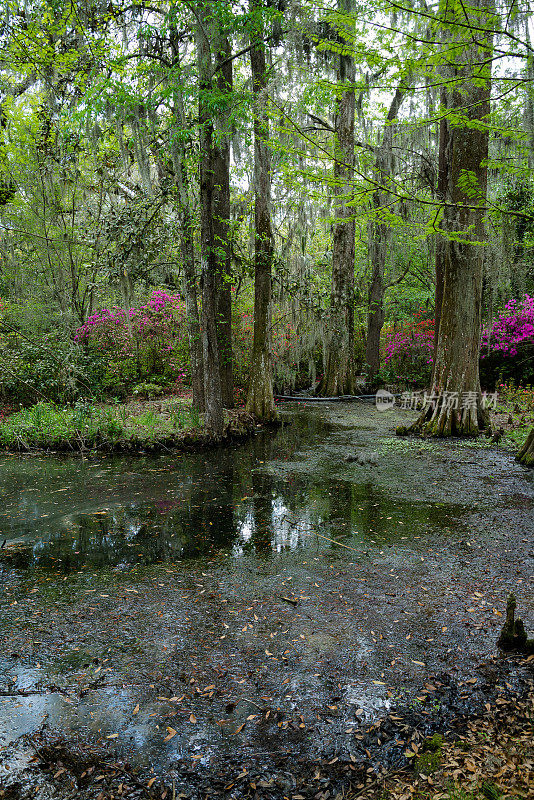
column 134, row 427
column 287, row 617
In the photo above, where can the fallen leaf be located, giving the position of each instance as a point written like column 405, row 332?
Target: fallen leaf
column 170, row 733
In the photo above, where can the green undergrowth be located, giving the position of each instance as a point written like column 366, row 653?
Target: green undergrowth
column 431, row 757
column 85, row 426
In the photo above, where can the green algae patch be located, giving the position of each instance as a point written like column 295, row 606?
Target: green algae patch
column 430, row 759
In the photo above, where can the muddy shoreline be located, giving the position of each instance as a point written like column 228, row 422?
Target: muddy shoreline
column 56, row 767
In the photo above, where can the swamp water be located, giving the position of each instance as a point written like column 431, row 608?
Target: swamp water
column 166, row 604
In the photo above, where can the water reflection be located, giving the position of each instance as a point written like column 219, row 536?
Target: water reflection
column 114, row 512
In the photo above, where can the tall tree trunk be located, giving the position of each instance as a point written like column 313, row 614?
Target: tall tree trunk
column 221, row 220
column 214, row 416
column 441, row 249
column 190, row 289
column 260, row 399
column 379, row 239
column 455, row 404
column 526, row 454
column 338, row 378
column 187, row 245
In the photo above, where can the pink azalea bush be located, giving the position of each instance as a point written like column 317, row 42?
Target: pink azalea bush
column 139, row 343
column 408, row 350
column 512, row 327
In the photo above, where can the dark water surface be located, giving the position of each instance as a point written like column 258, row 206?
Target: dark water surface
column 126, row 578
column 272, row 494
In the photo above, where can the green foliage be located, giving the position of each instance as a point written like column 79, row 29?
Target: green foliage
column 88, row 173
column 148, row 391
column 134, row 236
column 430, row 758
column 487, row 791
column 84, row 425
column 511, row 396
column 53, row 369
column 143, row 342
column 45, row 425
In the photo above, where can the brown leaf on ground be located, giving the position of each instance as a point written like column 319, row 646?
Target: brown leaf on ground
column 494, row 758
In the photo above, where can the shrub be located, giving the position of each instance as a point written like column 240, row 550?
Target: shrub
column 507, row 345
column 147, row 390
column 46, row 425
column 511, row 395
column 139, row 343
column 52, row 369
column 512, row 327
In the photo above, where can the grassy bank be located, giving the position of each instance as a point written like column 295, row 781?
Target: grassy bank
column 135, row 425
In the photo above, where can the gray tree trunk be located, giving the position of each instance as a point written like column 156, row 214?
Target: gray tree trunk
column 187, row 246
column 260, row 399
column 526, row 454
column 338, row 378
column 190, row 288
column 465, row 151
column 221, row 220
column 441, row 250
column 379, row 239
column 205, row 36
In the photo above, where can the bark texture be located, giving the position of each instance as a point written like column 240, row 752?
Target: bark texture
column 214, row 415
column 189, row 287
column 454, row 405
column 338, row 378
column 260, row 399
column 187, row 247
column 526, row 454
column 378, row 246
column 441, row 249
column 221, row 218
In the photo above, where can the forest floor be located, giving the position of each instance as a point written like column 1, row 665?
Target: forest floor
column 333, row 617
column 484, row 752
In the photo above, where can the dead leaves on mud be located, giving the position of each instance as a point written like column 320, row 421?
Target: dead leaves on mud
column 488, row 757
column 492, row 760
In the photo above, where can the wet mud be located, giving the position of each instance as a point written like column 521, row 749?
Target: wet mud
column 264, row 611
